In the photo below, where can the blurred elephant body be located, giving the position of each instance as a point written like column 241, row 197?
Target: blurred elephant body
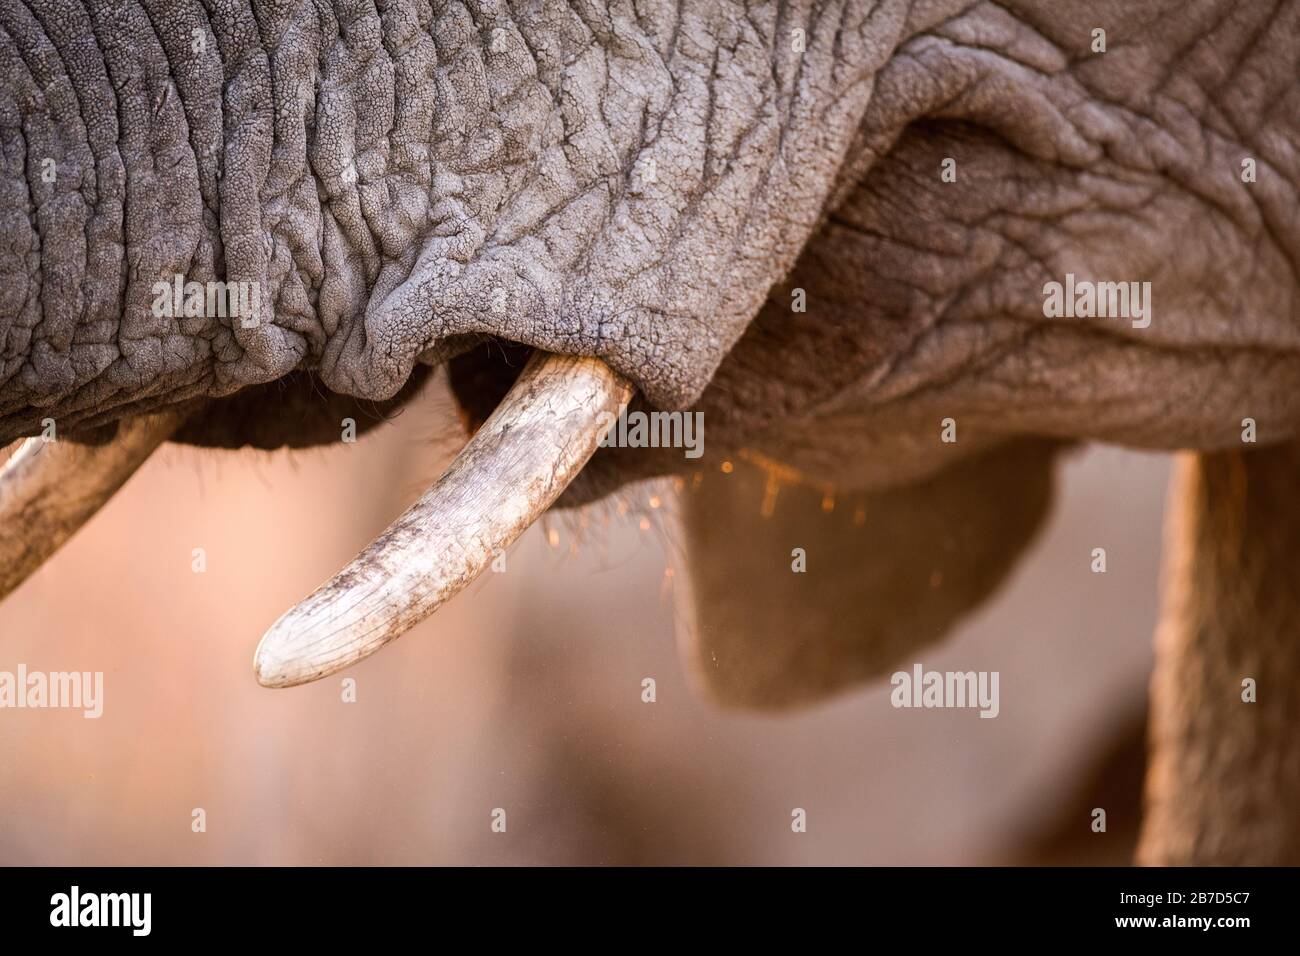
column 830, row 227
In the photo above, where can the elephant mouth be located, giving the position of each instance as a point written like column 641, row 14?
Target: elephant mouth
column 301, row 411
column 295, row 411
column 481, row 376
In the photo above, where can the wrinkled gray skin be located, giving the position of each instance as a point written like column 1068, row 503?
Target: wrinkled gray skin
column 406, row 178
column 384, row 169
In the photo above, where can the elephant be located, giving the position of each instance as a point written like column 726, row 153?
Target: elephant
column 899, row 255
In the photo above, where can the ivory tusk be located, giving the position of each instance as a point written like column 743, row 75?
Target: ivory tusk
column 50, row 489
column 515, row 466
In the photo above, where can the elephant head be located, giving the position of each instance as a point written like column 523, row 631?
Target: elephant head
column 896, row 254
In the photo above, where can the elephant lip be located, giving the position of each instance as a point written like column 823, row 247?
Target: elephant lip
column 294, row 411
column 299, row 411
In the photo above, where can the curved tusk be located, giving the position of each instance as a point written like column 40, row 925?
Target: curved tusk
column 514, row 467
column 50, row 489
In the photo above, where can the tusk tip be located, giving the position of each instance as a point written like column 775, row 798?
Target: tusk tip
column 269, row 672
column 293, row 652
column 274, row 663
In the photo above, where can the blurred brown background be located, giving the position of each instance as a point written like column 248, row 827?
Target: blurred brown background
column 525, row 693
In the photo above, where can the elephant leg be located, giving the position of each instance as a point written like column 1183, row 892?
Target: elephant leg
column 1224, row 783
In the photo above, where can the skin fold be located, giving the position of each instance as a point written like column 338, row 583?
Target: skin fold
column 827, row 226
